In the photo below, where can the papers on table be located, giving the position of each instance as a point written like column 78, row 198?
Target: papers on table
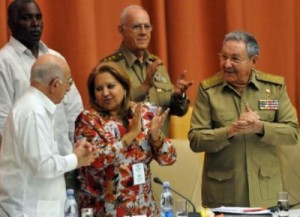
column 242, row 210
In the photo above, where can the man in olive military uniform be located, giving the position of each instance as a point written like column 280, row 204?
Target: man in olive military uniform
column 150, row 79
column 240, row 117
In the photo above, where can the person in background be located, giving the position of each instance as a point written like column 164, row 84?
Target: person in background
column 240, row 117
column 129, row 137
column 149, row 77
column 25, row 21
column 31, row 167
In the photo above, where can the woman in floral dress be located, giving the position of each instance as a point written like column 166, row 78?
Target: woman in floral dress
column 118, row 183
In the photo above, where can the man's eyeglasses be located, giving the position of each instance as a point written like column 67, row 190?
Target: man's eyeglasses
column 147, row 27
column 70, row 81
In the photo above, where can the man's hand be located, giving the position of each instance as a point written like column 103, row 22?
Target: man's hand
column 135, row 126
column 86, row 152
column 182, row 85
column 150, row 73
column 249, row 122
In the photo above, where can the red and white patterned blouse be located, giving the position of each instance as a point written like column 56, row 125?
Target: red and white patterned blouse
column 107, row 185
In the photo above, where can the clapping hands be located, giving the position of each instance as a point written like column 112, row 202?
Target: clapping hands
column 249, row 122
column 157, row 122
column 86, row 152
column 136, row 124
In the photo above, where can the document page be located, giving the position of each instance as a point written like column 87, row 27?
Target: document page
column 241, row 210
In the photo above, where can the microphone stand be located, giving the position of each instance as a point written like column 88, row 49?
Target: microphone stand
column 190, row 214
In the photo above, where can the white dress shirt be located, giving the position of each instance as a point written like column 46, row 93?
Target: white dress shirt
column 15, row 66
column 31, row 169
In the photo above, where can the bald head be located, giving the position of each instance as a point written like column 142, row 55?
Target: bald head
column 51, row 75
column 128, row 10
column 48, row 67
column 135, row 28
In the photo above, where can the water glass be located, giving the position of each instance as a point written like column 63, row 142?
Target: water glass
column 181, row 208
column 283, row 204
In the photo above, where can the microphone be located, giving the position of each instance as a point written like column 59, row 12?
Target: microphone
column 190, row 214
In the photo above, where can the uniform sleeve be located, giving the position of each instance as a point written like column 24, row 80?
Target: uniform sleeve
column 202, row 136
column 284, row 129
column 179, row 106
column 137, row 94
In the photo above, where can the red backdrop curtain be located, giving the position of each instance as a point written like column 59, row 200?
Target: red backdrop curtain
column 187, row 34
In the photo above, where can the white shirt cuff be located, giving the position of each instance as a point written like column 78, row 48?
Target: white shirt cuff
column 72, row 161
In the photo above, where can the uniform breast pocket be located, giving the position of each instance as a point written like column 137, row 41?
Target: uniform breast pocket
column 269, row 181
column 222, row 118
column 164, row 92
column 267, row 115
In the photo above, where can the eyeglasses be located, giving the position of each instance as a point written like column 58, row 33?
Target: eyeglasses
column 234, row 58
column 70, row 81
column 140, row 26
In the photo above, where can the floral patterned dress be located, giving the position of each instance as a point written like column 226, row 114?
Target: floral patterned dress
column 107, row 185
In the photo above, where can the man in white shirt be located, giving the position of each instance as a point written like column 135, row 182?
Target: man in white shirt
column 31, row 168
column 16, row 58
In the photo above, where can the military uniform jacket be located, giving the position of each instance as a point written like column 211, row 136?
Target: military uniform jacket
column 243, row 170
column 160, row 94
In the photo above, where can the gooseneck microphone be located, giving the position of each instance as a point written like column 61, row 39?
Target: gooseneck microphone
column 190, row 214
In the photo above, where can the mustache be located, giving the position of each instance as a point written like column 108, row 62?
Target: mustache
column 230, row 70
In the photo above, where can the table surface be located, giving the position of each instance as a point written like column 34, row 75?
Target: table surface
column 292, row 213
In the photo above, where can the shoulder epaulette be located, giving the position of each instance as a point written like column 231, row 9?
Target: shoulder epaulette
column 212, row 81
column 276, row 79
column 152, row 57
column 113, row 58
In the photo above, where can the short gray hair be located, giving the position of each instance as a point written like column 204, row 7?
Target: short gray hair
column 252, row 46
